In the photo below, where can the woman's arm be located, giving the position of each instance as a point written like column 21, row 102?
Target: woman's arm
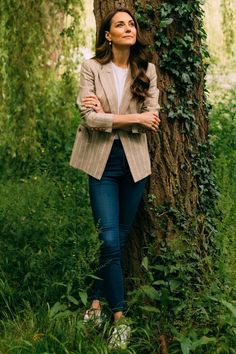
column 147, row 120
column 92, row 119
column 96, row 119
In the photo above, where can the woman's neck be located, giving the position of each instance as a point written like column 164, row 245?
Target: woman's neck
column 121, row 57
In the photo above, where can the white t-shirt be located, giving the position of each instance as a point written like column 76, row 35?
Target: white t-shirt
column 120, row 75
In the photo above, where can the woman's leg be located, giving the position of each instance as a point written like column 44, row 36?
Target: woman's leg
column 130, row 195
column 104, row 196
column 114, row 200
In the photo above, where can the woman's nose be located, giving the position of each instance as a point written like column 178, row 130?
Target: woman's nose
column 127, row 28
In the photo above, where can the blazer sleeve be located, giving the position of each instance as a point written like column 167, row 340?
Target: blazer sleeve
column 150, row 103
column 92, row 119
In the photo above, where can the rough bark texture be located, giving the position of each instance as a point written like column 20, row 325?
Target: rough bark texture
column 170, row 182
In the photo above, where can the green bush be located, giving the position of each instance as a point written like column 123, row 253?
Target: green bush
column 46, row 236
column 223, row 136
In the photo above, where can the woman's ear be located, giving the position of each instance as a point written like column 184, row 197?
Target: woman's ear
column 108, row 36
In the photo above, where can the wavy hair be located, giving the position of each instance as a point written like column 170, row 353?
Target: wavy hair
column 138, row 59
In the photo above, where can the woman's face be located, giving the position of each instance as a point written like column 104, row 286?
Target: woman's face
column 122, row 31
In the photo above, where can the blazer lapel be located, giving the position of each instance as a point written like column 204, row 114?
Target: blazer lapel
column 108, row 84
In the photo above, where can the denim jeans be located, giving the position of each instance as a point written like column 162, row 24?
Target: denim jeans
column 114, row 200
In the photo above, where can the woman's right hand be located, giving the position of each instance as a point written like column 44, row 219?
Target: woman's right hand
column 149, row 120
column 93, row 102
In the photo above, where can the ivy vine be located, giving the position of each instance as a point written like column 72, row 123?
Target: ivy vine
column 180, row 41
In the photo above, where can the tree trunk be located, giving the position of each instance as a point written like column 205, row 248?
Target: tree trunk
column 180, row 190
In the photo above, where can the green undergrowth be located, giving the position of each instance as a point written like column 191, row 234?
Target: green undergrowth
column 203, row 322
column 223, row 137
column 48, row 244
column 48, row 260
column 47, row 234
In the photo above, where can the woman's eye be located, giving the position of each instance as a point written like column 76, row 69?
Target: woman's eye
column 132, row 24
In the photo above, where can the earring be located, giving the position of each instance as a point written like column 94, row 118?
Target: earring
column 109, row 43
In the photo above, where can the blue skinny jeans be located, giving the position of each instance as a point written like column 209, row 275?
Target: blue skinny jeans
column 114, row 200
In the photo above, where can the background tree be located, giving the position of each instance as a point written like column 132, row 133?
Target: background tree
column 35, row 58
column 175, row 224
column 228, row 28
column 180, row 189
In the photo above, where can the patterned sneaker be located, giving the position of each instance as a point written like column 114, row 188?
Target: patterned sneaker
column 94, row 315
column 120, row 336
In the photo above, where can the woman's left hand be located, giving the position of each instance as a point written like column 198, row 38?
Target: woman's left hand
column 93, row 102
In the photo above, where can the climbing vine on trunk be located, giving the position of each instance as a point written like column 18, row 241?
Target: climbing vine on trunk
column 174, row 232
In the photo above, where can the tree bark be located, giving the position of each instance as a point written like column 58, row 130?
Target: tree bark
column 174, row 183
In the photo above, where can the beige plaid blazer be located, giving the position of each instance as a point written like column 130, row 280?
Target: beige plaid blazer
column 91, row 147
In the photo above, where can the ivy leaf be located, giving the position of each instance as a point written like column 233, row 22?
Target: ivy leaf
column 185, row 77
column 166, row 22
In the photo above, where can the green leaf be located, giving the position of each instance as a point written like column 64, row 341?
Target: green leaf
column 57, row 307
column 229, row 306
column 151, row 292
column 185, row 77
column 83, row 296
column 185, row 344
column 159, row 282
column 72, row 299
column 59, row 311
column 160, row 267
column 64, row 314
column 145, row 263
column 203, row 341
column 93, row 276
column 174, row 284
column 166, row 22
column 150, row 309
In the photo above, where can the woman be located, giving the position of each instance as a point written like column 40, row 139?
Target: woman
column 118, row 100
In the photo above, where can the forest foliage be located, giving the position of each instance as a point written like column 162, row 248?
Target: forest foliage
column 48, row 244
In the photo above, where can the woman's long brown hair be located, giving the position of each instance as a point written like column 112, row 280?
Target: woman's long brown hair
column 138, row 56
